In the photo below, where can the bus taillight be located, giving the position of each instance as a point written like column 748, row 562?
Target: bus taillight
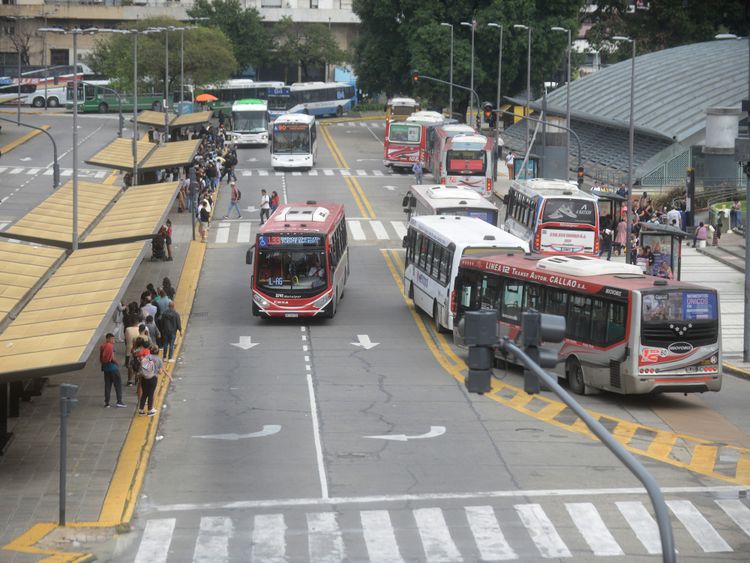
column 596, row 245
column 453, row 302
column 538, row 239
column 442, row 180
column 489, row 185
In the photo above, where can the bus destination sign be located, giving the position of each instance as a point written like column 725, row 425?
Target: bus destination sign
column 269, row 241
column 290, row 127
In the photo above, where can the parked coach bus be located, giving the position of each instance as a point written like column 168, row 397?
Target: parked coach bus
column 300, row 261
column 436, row 199
column 466, row 160
column 554, row 216
column 434, row 246
column 626, row 332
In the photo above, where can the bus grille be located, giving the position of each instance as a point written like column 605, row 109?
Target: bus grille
column 663, row 336
column 614, row 373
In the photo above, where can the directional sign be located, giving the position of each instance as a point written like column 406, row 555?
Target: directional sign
column 268, row 430
column 390, row 188
column 364, row 342
column 434, row 432
column 245, row 343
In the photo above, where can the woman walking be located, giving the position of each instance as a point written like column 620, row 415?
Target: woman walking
column 151, row 368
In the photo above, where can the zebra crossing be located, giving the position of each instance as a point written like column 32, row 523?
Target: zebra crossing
column 321, row 172
column 370, row 123
column 528, row 531
column 361, row 231
column 90, row 173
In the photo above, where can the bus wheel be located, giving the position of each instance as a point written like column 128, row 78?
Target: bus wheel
column 156, row 106
column 103, row 107
column 436, row 319
column 411, row 291
column 38, row 102
column 53, row 103
column 339, row 111
column 575, row 377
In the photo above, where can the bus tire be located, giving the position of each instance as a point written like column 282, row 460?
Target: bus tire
column 575, row 377
column 38, row 102
column 156, row 106
column 436, row 319
column 53, row 103
column 103, row 107
column 339, row 111
column 410, row 294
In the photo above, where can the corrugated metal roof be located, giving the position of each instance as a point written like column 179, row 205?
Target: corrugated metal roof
column 673, row 88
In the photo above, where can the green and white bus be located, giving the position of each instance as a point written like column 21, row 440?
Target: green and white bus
column 96, row 96
column 250, row 122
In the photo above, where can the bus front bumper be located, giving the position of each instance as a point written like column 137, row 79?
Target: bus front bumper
column 290, row 308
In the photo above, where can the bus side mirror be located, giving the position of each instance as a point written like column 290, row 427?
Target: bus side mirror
column 249, row 255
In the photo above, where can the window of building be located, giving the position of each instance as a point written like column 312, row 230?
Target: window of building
column 59, row 57
column 270, row 3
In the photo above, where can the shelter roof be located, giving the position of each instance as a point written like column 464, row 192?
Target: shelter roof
column 168, row 155
column 119, row 154
column 187, row 119
column 154, row 118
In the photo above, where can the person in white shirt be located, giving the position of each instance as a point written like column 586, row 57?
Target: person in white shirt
column 265, row 206
column 509, row 160
column 674, row 218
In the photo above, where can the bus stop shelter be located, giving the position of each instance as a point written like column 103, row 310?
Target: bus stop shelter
column 665, row 242
column 610, row 203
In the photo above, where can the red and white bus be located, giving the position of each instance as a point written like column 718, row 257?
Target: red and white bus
column 466, row 161
column 554, row 216
column 406, row 142
column 300, row 261
column 626, row 332
column 442, row 134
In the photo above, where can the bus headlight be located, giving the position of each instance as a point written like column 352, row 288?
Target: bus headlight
column 261, row 301
column 321, row 302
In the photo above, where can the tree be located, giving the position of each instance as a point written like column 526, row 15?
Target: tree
column 243, row 26
column 208, row 57
column 21, row 40
column 306, row 44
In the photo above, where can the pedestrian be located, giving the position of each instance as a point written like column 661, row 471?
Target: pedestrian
column 701, row 234
column 222, row 118
column 168, row 238
column 717, row 232
column 204, row 215
column 111, row 371
column 234, row 201
column 168, row 288
column 265, row 206
column 621, row 236
column 418, row 172
column 622, row 191
column 606, row 237
column 148, row 308
column 119, row 318
column 274, row 201
column 131, row 334
column 171, row 324
column 510, row 159
column 673, row 217
column 737, row 208
column 153, row 330
column 151, row 367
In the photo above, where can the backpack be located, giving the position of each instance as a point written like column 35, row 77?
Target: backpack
column 239, row 194
column 148, row 367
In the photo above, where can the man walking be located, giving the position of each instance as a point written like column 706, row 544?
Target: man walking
column 265, row 206
column 418, row 172
column 111, row 371
column 171, row 324
column 234, row 202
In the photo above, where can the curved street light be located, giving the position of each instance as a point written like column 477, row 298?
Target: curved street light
column 567, row 100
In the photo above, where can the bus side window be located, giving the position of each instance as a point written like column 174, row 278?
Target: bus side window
column 599, row 321
column 490, row 292
column 533, row 297
column 512, row 299
column 437, row 254
column 556, row 302
column 422, row 246
column 468, row 292
column 579, row 318
column 616, row 319
column 445, row 267
column 428, row 257
column 509, row 204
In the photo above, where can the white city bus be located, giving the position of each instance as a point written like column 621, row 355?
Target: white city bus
column 434, row 246
column 250, row 122
column 294, row 143
column 466, row 160
column 437, row 199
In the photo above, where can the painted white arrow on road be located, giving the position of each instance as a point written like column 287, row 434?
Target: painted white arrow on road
column 434, row 432
column 246, row 342
column 390, row 188
column 268, row 430
column 364, row 342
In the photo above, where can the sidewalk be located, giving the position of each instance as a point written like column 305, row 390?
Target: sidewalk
column 29, row 470
column 12, row 136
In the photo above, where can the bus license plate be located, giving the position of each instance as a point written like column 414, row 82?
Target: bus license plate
column 291, row 315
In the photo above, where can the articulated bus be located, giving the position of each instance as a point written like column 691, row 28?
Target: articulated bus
column 300, row 261
column 97, row 96
column 398, row 109
column 466, row 160
column 554, row 216
column 625, row 332
column 435, row 150
column 437, row 199
column 406, row 141
column 294, row 141
column 249, row 122
column 315, row 98
column 435, row 245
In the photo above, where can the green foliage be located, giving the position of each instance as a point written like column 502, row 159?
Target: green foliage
column 207, row 57
column 243, row 26
column 305, row 43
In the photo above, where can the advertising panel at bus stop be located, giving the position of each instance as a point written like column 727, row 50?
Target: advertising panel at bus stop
column 665, row 242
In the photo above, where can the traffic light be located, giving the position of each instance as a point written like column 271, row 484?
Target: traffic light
column 487, row 107
column 479, row 336
column 415, row 76
column 537, row 328
column 580, row 176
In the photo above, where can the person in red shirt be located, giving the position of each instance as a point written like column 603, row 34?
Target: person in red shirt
column 111, row 370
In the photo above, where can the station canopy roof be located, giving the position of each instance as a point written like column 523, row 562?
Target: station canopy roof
column 187, row 119
column 169, row 155
column 156, row 119
column 119, row 154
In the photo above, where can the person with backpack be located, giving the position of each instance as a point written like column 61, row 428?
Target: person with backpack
column 151, row 368
column 234, row 201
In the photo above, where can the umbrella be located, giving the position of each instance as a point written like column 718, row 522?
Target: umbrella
column 206, row 98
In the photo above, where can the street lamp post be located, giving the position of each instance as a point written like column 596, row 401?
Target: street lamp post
column 499, row 62
column 450, row 91
column 528, row 89
column 567, row 103
column 631, row 139
column 472, row 25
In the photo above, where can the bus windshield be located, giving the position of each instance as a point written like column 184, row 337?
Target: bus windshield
column 405, row 133
column 466, row 163
column 290, row 269
column 486, row 215
column 250, row 121
column 291, row 139
column 679, row 306
column 567, row 210
column 279, row 103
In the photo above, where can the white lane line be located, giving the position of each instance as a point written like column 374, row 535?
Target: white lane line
column 704, row 534
column 316, row 435
column 377, row 173
column 66, row 172
column 100, row 174
column 355, row 228
column 296, row 173
column 48, row 172
column 541, row 531
column 325, row 542
column 222, row 233
column 32, row 171
column 262, row 172
column 379, row 537
column 488, row 536
column 642, row 524
column 379, row 230
column 436, row 538
column 245, row 232
column 304, row 347
column 312, row 173
column 212, row 544
column 17, row 170
column 400, row 228
column 345, row 172
column 269, row 542
column 3, row 224
column 155, row 542
column 737, row 511
column 361, row 173
column 246, row 172
column 278, row 173
column 593, row 529
column 328, row 172
column 4, row 168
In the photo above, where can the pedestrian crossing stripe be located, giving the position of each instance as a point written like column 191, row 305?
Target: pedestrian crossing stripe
column 360, row 230
column 359, row 172
column 33, row 171
column 494, row 533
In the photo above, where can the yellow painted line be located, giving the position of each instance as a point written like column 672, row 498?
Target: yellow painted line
column 736, row 368
column 702, row 453
column 127, row 479
column 21, row 140
column 354, row 187
column 109, row 180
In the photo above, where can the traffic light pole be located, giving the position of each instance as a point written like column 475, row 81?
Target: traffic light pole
column 415, row 76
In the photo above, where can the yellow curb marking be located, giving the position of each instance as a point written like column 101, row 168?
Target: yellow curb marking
column 22, row 139
column 702, row 454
